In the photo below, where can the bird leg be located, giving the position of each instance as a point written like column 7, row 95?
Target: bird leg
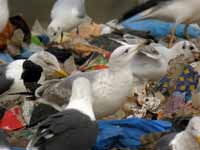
column 172, row 38
column 77, row 30
column 186, row 34
column 61, row 38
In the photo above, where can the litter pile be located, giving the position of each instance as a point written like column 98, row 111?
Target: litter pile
column 158, row 103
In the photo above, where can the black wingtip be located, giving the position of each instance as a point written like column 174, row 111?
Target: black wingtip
column 140, row 8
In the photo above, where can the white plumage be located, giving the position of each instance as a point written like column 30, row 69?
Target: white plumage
column 74, row 128
column 189, row 138
column 81, row 98
column 151, row 63
column 110, row 87
column 66, row 15
column 177, row 11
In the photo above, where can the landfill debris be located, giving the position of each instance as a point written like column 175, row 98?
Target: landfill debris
column 177, row 94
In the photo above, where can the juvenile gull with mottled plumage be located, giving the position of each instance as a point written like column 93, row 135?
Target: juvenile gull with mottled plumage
column 110, row 87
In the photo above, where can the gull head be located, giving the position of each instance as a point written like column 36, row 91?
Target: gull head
column 122, row 56
column 49, row 63
column 54, row 30
column 185, row 48
column 81, row 89
column 194, row 128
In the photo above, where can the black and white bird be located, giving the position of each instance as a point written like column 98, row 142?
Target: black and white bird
column 74, row 128
column 19, row 75
column 177, row 11
column 189, row 139
column 4, row 13
column 4, row 144
column 110, row 87
column 65, row 16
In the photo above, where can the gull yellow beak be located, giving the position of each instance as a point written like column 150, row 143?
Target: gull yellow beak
column 198, row 139
column 60, row 73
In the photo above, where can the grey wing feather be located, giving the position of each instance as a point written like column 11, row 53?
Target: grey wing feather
column 81, row 9
column 5, row 83
column 163, row 143
column 59, row 91
column 151, row 52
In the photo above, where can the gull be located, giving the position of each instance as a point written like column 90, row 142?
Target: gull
column 74, row 128
column 22, row 74
column 177, row 11
column 185, row 140
column 110, row 87
column 151, row 62
column 4, row 13
column 49, row 64
column 66, row 15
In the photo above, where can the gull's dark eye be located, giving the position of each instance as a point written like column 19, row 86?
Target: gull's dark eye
column 49, row 63
column 146, row 99
column 191, row 47
column 54, row 34
column 126, row 51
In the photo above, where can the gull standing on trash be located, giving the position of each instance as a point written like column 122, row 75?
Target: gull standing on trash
column 110, row 87
column 151, row 62
column 189, row 139
column 74, row 128
column 66, row 15
column 4, row 13
column 177, row 11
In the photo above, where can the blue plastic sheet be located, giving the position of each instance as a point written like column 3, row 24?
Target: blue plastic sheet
column 25, row 54
column 127, row 133
column 6, row 57
column 158, row 28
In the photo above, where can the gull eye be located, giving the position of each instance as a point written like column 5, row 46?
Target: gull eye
column 191, row 47
column 126, row 51
column 54, row 34
column 49, row 64
column 184, row 46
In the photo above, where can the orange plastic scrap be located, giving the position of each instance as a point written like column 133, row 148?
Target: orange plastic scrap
column 5, row 35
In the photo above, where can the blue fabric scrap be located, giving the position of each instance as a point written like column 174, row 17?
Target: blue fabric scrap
column 158, row 28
